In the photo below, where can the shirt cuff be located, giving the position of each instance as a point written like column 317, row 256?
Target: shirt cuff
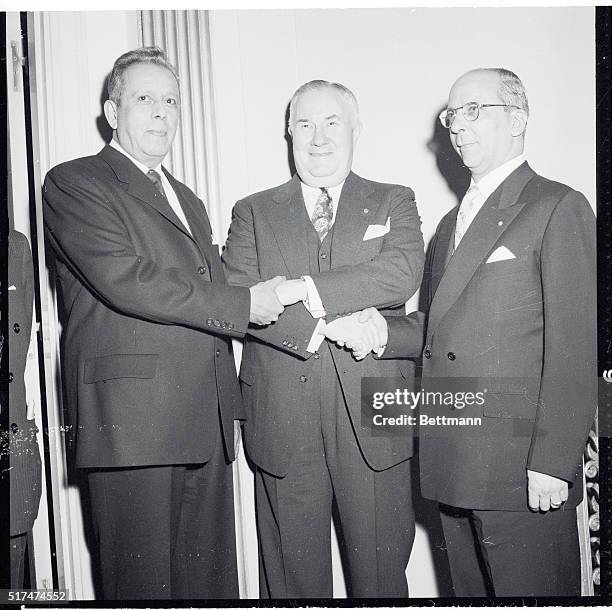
column 313, row 301
column 317, row 337
column 381, row 350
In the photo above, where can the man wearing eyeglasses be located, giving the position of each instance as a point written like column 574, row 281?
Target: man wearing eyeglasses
column 512, row 314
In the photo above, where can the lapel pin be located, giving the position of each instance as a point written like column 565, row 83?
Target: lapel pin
column 500, row 223
column 366, row 211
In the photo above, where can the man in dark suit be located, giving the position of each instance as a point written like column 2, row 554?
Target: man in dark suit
column 347, row 242
column 149, row 378
column 511, row 292
column 24, row 456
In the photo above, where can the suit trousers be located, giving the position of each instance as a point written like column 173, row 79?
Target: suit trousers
column 19, row 544
column 294, row 512
column 495, row 553
column 166, row 532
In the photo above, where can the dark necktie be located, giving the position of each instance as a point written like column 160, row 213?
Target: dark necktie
column 155, row 178
column 322, row 214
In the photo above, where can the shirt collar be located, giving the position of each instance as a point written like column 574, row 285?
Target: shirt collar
column 311, row 193
column 493, row 179
column 141, row 166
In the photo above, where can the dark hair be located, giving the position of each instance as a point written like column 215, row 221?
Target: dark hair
column 143, row 55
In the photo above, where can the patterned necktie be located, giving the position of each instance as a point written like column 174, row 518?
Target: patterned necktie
column 465, row 210
column 155, row 178
column 322, row 214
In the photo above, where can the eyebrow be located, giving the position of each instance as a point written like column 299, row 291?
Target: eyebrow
column 327, row 118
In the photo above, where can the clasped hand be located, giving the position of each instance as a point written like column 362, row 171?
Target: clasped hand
column 362, row 332
column 265, row 306
column 269, row 298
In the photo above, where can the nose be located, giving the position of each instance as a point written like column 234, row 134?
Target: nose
column 159, row 110
column 318, row 137
column 458, row 123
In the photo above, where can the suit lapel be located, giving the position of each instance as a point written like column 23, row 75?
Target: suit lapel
column 197, row 217
column 443, row 249
column 492, row 220
column 287, row 217
column 352, row 220
column 194, row 210
column 139, row 186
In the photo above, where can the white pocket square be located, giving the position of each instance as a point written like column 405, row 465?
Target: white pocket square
column 501, row 254
column 377, row 230
column 12, row 287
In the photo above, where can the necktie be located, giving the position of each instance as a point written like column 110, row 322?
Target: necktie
column 464, row 215
column 322, row 214
column 155, row 178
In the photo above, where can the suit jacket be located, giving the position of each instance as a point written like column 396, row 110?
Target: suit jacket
column 524, row 329
column 24, row 455
column 147, row 360
column 268, row 237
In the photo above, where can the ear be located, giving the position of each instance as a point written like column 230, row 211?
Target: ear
column 110, row 112
column 356, row 133
column 519, row 122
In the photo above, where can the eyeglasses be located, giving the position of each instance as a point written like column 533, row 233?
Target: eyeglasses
column 469, row 111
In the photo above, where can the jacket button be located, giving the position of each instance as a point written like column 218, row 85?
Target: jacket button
column 217, row 323
column 218, row 353
column 14, row 428
column 202, row 270
column 230, row 325
column 16, row 327
column 10, row 377
column 209, row 322
column 285, row 342
column 427, row 354
column 451, row 355
column 324, row 255
column 303, row 378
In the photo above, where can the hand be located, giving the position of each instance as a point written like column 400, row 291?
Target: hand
column 545, row 491
column 237, row 437
column 291, row 291
column 265, row 306
column 360, row 337
column 372, row 315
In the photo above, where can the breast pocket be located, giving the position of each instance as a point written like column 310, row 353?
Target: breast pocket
column 510, row 285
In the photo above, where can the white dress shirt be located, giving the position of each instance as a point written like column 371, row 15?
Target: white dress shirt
column 488, row 184
column 168, row 190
